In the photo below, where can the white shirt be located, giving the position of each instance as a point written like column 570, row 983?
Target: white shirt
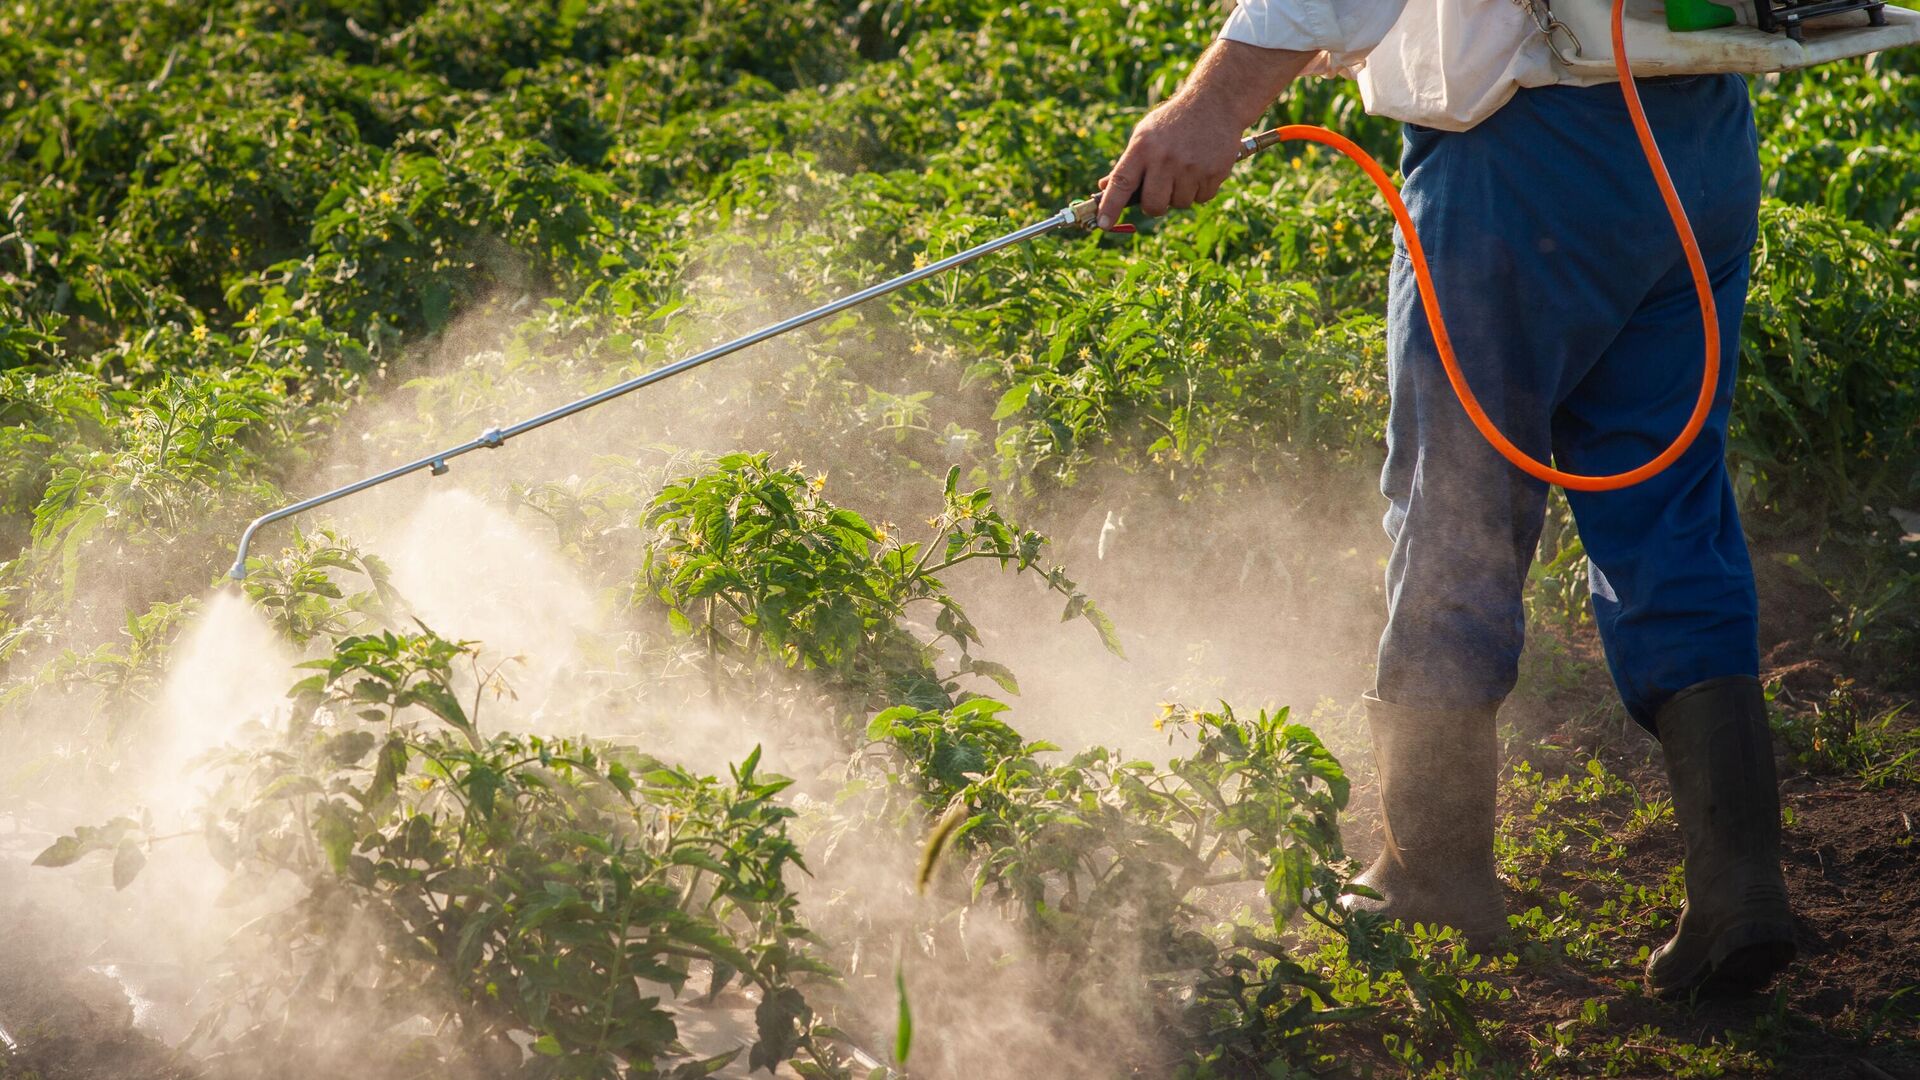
column 1446, row 64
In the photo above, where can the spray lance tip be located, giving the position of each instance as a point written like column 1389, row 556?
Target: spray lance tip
column 238, row 572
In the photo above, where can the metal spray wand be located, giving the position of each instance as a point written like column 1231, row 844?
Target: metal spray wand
column 1080, row 216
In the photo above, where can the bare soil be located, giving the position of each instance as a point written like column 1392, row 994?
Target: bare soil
column 69, row 1023
column 1850, row 1004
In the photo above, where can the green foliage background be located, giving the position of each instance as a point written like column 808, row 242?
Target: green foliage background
column 227, row 228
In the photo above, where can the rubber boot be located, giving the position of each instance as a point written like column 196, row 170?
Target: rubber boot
column 1736, row 930
column 1438, row 771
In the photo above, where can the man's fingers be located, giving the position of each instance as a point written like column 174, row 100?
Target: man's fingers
column 1186, row 187
column 1165, row 166
column 1117, row 188
column 1156, row 191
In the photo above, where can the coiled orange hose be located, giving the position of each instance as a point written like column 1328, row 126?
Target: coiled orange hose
column 1710, row 320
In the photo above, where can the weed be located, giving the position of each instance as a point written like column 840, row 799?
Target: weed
column 1836, row 736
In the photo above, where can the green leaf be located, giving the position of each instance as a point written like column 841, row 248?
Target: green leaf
column 694, row 857
column 548, row 1046
column 386, row 775
column 482, row 783
column 883, row 724
column 82, row 527
column 937, row 841
column 1014, row 400
column 903, row 1024
column 62, row 852
column 620, row 778
column 333, row 828
column 781, row 1020
column 440, row 701
column 349, row 748
column 417, row 840
column 1001, row 675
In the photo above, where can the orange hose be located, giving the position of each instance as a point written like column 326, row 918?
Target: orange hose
column 1709, row 318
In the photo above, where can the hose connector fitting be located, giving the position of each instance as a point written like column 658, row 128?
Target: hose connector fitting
column 1257, row 142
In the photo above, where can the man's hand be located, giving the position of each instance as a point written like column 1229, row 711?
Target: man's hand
column 1182, row 152
column 1179, row 155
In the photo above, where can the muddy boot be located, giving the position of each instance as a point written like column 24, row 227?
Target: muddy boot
column 1438, row 770
column 1735, row 932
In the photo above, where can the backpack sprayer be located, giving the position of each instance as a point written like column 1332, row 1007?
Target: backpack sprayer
column 1677, row 37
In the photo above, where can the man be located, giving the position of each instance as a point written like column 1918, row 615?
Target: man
column 1575, row 320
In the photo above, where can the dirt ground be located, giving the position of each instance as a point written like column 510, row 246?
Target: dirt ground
column 1852, row 867
column 69, row 1023
column 1853, row 871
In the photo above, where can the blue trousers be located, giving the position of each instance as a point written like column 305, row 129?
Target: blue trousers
column 1574, row 319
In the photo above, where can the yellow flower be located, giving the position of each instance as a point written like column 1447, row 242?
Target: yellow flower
column 200, row 332
column 818, row 482
column 1086, row 353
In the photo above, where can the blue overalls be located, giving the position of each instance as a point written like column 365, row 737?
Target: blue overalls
column 1575, row 321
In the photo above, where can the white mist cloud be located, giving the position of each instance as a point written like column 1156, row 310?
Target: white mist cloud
column 228, row 669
